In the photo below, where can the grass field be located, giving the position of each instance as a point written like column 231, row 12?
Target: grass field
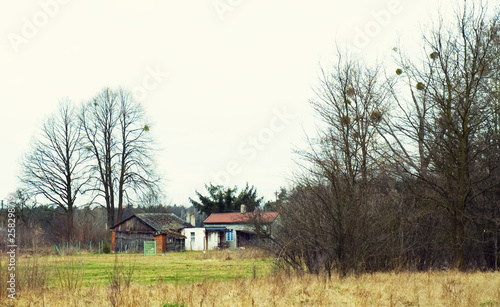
column 170, row 267
column 237, row 278
column 186, row 267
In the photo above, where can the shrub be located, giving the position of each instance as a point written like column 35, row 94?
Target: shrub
column 106, row 249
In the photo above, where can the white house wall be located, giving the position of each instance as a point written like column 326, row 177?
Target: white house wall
column 198, row 244
column 235, row 227
column 213, row 240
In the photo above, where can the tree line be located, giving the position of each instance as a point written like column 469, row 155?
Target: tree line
column 404, row 173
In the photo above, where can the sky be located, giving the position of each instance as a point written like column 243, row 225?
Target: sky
column 225, row 83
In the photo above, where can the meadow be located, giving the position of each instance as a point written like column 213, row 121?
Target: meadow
column 229, row 278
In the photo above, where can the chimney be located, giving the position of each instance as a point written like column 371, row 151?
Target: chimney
column 188, row 218
column 193, row 220
column 243, row 209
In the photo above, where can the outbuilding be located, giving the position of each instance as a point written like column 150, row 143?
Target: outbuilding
column 164, row 228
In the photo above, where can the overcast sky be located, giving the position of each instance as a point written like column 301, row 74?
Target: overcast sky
column 225, row 83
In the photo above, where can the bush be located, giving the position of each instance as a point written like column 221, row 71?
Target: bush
column 106, row 249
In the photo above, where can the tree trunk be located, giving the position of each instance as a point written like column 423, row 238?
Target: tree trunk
column 458, row 230
column 69, row 224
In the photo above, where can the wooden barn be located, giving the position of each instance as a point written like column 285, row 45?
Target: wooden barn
column 164, row 228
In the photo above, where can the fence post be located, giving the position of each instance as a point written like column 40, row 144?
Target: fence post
column 91, row 246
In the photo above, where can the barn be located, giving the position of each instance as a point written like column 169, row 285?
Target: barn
column 164, row 228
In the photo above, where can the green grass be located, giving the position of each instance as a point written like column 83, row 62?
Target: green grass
column 187, row 267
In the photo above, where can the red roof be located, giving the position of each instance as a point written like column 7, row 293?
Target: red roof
column 240, row 218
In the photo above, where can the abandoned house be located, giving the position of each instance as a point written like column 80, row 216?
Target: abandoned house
column 164, row 228
column 232, row 230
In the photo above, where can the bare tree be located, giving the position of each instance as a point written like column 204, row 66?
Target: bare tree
column 332, row 204
column 118, row 139
column 54, row 167
column 98, row 120
column 447, row 115
column 137, row 169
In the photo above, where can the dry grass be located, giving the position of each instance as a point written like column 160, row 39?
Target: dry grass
column 380, row 289
column 133, row 280
column 227, row 254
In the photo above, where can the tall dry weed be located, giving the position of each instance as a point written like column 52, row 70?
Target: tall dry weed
column 120, row 279
column 70, row 273
column 32, row 275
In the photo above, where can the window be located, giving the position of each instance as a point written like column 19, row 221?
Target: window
column 229, row 235
column 192, row 237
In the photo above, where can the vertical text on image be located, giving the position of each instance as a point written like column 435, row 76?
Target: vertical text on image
column 11, row 250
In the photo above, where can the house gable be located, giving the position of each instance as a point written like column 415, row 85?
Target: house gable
column 133, row 225
column 151, row 222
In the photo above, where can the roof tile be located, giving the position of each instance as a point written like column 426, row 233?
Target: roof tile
column 240, row 218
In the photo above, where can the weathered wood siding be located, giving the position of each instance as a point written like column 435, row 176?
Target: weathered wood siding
column 175, row 245
column 131, row 234
column 134, row 225
column 131, row 241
